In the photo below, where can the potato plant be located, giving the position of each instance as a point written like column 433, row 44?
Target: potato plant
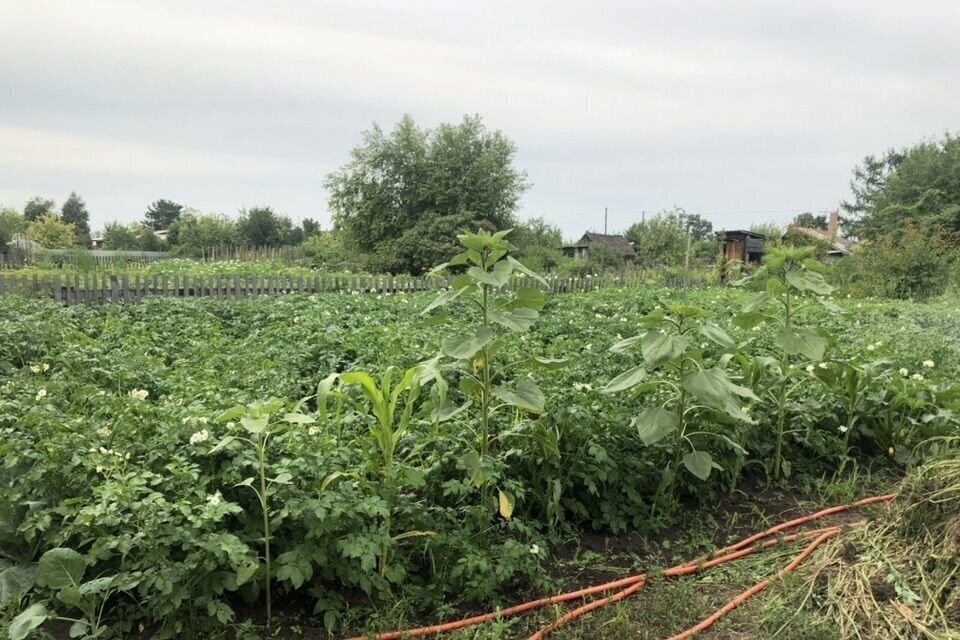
column 384, row 503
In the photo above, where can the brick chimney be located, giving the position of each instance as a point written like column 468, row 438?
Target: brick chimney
column 833, row 222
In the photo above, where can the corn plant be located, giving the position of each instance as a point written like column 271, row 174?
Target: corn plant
column 487, row 269
column 392, row 403
column 791, row 279
column 687, row 389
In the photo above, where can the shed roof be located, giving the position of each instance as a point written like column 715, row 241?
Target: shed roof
column 617, row 243
column 838, row 245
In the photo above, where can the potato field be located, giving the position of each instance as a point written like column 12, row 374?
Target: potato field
column 335, row 465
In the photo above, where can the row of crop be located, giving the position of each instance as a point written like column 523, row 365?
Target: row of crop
column 151, row 479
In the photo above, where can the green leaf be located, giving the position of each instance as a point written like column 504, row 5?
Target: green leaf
column 775, row 287
column 516, row 264
column 527, row 396
column 714, row 388
column 466, row 346
column 28, row 620
column 699, row 463
column 446, row 297
column 756, row 303
column 625, row 344
column 659, row 348
column 97, row 585
column 231, row 414
column 299, row 418
column 61, row 567
column 749, row 319
column 506, row 504
column 809, row 281
column 283, row 478
column 626, row 380
column 829, row 306
column 652, row 319
column 527, row 298
column 496, row 277
column 688, row 311
column 70, row 596
column 246, row 571
column 407, row 535
column 655, row 423
column 472, row 465
column 15, row 580
column 253, row 425
column 716, row 334
column 808, row 343
column 548, row 363
column 224, row 443
column 516, row 320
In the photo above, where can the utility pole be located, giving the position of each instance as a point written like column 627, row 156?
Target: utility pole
column 604, row 221
column 686, row 263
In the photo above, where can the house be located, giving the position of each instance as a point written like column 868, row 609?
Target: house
column 836, row 246
column 744, row 246
column 615, row 243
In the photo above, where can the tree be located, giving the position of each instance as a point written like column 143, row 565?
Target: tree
column 413, row 177
column 38, row 207
column 538, row 244
column 699, row 228
column 661, row 240
column 310, row 227
column 119, row 237
column 11, row 223
column 920, row 183
column 809, row 221
column 161, row 214
column 195, row 234
column 74, row 212
column 261, row 227
column 51, row 232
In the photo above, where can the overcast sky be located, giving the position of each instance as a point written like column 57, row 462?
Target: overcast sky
column 742, row 111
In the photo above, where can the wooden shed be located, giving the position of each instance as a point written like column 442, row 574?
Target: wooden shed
column 616, row 243
column 745, row 246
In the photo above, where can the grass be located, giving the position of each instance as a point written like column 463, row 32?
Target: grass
column 790, row 609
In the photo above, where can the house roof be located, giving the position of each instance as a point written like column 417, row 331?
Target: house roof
column 744, row 232
column 617, row 243
column 838, row 246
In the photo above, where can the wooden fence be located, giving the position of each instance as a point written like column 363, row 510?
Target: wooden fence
column 72, row 289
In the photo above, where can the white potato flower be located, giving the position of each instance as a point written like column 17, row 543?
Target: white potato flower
column 139, row 394
column 929, row 364
column 41, row 394
column 200, row 436
column 918, row 377
column 904, row 372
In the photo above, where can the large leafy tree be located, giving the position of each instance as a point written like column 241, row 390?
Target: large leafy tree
column 262, row 227
column 51, row 232
column 661, row 240
column 161, row 214
column 194, row 234
column 119, row 237
column 37, row 207
column 74, row 212
column 920, row 184
column 413, row 177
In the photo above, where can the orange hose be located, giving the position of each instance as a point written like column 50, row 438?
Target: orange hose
column 631, row 583
column 680, row 570
column 755, row 589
